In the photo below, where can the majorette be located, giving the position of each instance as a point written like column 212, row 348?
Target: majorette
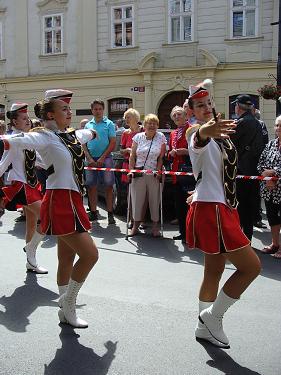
column 24, row 189
column 212, row 222
column 62, row 212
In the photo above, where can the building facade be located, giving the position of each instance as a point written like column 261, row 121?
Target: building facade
column 138, row 53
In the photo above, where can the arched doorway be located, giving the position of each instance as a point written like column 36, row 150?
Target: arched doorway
column 167, row 104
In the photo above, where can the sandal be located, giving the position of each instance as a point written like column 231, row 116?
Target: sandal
column 277, row 254
column 156, row 233
column 142, row 226
column 134, row 232
column 272, row 249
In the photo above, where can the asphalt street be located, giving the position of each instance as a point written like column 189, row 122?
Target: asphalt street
column 141, row 305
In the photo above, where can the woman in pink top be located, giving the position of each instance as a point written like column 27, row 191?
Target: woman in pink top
column 132, row 118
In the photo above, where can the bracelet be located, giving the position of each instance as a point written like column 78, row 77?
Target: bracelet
column 199, row 142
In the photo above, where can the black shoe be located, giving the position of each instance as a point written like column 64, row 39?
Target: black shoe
column 260, row 224
column 111, row 219
column 179, row 237
column 93, row 215
column 20, row 219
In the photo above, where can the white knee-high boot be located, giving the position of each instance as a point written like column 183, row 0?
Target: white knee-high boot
column 62, row 289
column 201, row 331
column 212, row 316
column 30, row 249
column 68, row 302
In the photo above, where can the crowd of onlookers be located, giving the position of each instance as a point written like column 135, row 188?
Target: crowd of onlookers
column 143, row 146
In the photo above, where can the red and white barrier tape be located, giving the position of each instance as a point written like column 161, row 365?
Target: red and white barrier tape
column 172, row 173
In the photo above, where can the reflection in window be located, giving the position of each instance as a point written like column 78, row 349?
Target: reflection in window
column 244, row 15
column 53, row 34
column 122, row 26
column 180, row 20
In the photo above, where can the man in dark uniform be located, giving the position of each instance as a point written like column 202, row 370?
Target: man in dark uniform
column 248, row 140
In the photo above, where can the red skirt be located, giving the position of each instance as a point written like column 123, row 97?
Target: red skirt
column 214, row 228
column 62, row 212
column 20, row 194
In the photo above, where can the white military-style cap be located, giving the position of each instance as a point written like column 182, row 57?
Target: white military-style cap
column 200, row 90
column 19, row 107
column 61, row 94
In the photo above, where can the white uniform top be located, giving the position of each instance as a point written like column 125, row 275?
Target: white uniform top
column 52, row 151
column 208, row 160
column 16, row 157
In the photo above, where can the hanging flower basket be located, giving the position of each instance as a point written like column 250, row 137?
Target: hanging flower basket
column 271, row 91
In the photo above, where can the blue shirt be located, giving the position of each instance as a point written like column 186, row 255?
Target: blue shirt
column 105, row 130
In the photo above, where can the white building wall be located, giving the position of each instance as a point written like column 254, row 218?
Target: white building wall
column 91, row 68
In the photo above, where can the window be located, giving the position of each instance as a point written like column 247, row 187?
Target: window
column 231, row 105
column 52, row 34
column 117, row 107
column 180, row 20
column 244, row 18
column 122, row 26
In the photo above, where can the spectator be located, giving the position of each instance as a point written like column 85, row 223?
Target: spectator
column 147, row 152
column 258, row 223
column 248, row 141
column 98, row 154
column 9, row 129
column 120, row 126
column 180, row 162
column 2, row 132
column 83, row 123
column 132, row 118
column 270, row 165
column 35, row 123
column 189, row 113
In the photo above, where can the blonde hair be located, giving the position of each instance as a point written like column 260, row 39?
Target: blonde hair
column 177, row 109
column 277, row 120
column 133, row 112
column 151, row 117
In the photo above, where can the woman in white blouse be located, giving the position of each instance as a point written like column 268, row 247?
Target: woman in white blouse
column 147, row 152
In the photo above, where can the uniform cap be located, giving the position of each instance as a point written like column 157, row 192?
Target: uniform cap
column 200, row 90
column 64, row 95
column 19, row 107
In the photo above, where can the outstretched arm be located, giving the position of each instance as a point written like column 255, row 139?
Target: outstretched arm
column 216, row 129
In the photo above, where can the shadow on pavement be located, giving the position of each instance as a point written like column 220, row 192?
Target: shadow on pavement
column 18, row 230
column 224, row 363
column 109, row 235
column 74, row 358
column 23, row 302
column 270, row 266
